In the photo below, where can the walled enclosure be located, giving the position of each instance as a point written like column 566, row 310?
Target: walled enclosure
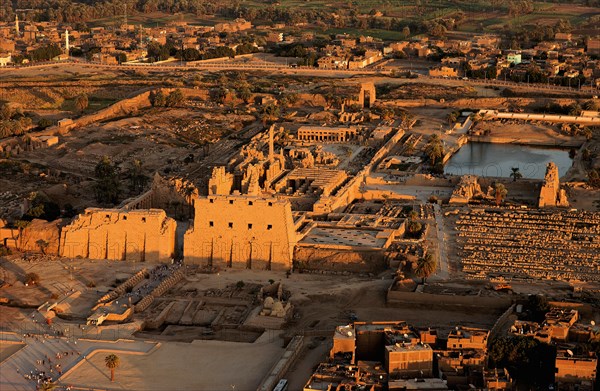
column 241, row 232
column 136, row 235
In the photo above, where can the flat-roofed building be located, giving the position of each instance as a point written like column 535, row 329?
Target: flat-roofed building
column 575, row 369
column 468, row 338
column 409, row 360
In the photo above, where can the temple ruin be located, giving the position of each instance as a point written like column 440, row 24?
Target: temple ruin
column 241, row 232
column 551, row 195
column 135, row 235
column 467, row 188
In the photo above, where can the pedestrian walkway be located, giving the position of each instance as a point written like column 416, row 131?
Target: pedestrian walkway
column 46, row 358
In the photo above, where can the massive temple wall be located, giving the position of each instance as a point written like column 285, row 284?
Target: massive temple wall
column 135, row 235
column 241, row 232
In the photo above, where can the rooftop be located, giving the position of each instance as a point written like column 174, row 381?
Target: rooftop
column 403, row 347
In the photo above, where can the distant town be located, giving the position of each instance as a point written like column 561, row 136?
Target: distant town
column 284, row 195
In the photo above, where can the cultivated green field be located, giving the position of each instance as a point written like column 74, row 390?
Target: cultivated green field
column 479, row 16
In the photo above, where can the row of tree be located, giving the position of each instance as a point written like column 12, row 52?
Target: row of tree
column 13, row 122
column 108, row 186
column 173, row 99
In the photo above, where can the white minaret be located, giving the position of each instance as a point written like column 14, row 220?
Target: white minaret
column 17, row 24
column 67, row 42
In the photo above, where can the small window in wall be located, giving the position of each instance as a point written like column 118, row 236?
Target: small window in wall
column 249, row 226
column 230, row 202
column 143, row 219
column 250, row 203
column 108, row 216
column 269, row 227
column 211, row 201
column 270, row 204
column 230, row 225
column 211, row 223
column 124, row 217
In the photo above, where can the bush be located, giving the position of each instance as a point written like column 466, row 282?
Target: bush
column 32, row 279
column 4, row 250
column 240, row 284
column 45, row 123
column 91, row 284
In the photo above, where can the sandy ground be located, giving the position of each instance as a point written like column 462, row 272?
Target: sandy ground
column 57, row 277
column 524, row 132
column 584, row 199
column 201, row 365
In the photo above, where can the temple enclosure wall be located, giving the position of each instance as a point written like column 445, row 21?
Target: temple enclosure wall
column 241, row 232
column 398, row 298
column 136, row 235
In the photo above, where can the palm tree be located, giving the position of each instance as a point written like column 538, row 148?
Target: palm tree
column 452, row 117
column 515, row 174
column 426, row 266
column 48, row 386
column 434, row 148
column 189, row 191
column 112, row 362
column 499, row 192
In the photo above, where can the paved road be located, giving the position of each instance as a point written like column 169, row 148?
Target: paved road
column 443, row 272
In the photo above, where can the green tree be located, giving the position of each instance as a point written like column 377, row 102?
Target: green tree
column 434, row 149
column 245, row 94
column 452, row 117
column 528, row 360
column 515, row 174
column 159, row 99
column 270, row 113
column 499, row 193
column 6, row 112
column 41, row 207
column 137, row 179
column 406, row 32
column 48, row 386
column 591, row 105
column 107, row 187
column 414, row 228
column 175, row 98
column 112, row 362
column 43, row 245
column 81, row 102
column 219, row 94
column 426, row 266
column 575, row 109
column 121, row 57
column 189, row 192
column 32, row 279
column 594, row 178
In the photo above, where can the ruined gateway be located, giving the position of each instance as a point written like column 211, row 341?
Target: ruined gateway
column 241, row 232
column 136, row 235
